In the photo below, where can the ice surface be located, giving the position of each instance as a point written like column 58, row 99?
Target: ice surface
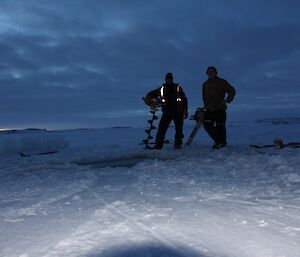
column 102, row 194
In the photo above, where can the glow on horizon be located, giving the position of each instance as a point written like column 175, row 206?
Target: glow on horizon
column 5, row 129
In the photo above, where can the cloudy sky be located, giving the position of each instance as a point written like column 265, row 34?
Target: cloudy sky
column 87, row 63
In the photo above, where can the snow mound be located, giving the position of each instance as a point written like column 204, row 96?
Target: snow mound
column 31, row 143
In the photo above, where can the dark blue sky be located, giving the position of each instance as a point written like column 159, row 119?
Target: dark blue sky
column 86, row 63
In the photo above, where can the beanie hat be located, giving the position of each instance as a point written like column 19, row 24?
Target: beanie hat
column 169, row 75
column 212, row 68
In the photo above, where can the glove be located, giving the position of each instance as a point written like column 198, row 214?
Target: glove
column 146, row 100
column 186, row 115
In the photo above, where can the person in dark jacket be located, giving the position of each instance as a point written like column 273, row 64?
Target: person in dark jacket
column 174, row 107
column 217, row 93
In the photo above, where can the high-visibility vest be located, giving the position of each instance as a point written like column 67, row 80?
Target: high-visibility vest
column 163, row 99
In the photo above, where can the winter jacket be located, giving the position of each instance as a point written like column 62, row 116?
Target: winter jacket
column 172, row 97
column 214, row 91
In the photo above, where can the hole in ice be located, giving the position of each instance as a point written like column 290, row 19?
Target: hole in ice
column 125, row 162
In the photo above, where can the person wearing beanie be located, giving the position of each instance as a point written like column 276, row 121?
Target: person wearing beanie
column 174, row 108
column 217, row 93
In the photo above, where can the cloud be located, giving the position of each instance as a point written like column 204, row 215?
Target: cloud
column 69, row 60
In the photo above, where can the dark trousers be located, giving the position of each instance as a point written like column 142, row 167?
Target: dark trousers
column 164, row 125
column 214, row 124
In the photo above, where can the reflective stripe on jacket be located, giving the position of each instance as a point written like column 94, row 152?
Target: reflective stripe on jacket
column 172, row 97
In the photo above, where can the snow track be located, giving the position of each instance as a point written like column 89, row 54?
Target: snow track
column 235, row 202
column 130, row 232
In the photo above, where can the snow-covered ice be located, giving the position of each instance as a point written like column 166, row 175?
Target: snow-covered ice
column 102, row 194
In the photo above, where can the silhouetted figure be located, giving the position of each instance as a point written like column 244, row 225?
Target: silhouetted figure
column 174, row 107
column 215, row 90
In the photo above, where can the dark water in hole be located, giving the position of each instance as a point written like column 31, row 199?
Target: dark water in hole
column 118, row 163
